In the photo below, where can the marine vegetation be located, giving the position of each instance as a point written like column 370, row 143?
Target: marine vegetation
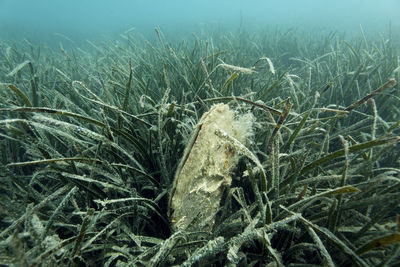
column 94, row 138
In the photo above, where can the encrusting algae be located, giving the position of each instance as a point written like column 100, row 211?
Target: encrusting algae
column 205, row 168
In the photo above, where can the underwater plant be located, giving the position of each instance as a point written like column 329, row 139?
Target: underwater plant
column 266, row 148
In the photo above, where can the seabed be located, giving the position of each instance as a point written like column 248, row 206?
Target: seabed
column 98, row 143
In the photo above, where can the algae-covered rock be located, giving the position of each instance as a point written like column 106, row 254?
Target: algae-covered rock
column 204, row 171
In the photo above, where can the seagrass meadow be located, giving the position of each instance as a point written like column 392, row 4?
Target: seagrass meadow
column 91, row 136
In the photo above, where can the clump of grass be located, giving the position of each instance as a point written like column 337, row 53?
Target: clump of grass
column 90, row 138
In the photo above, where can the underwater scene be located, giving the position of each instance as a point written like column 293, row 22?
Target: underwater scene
column 199, row 133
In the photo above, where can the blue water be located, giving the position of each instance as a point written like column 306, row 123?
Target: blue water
column 91, row 18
